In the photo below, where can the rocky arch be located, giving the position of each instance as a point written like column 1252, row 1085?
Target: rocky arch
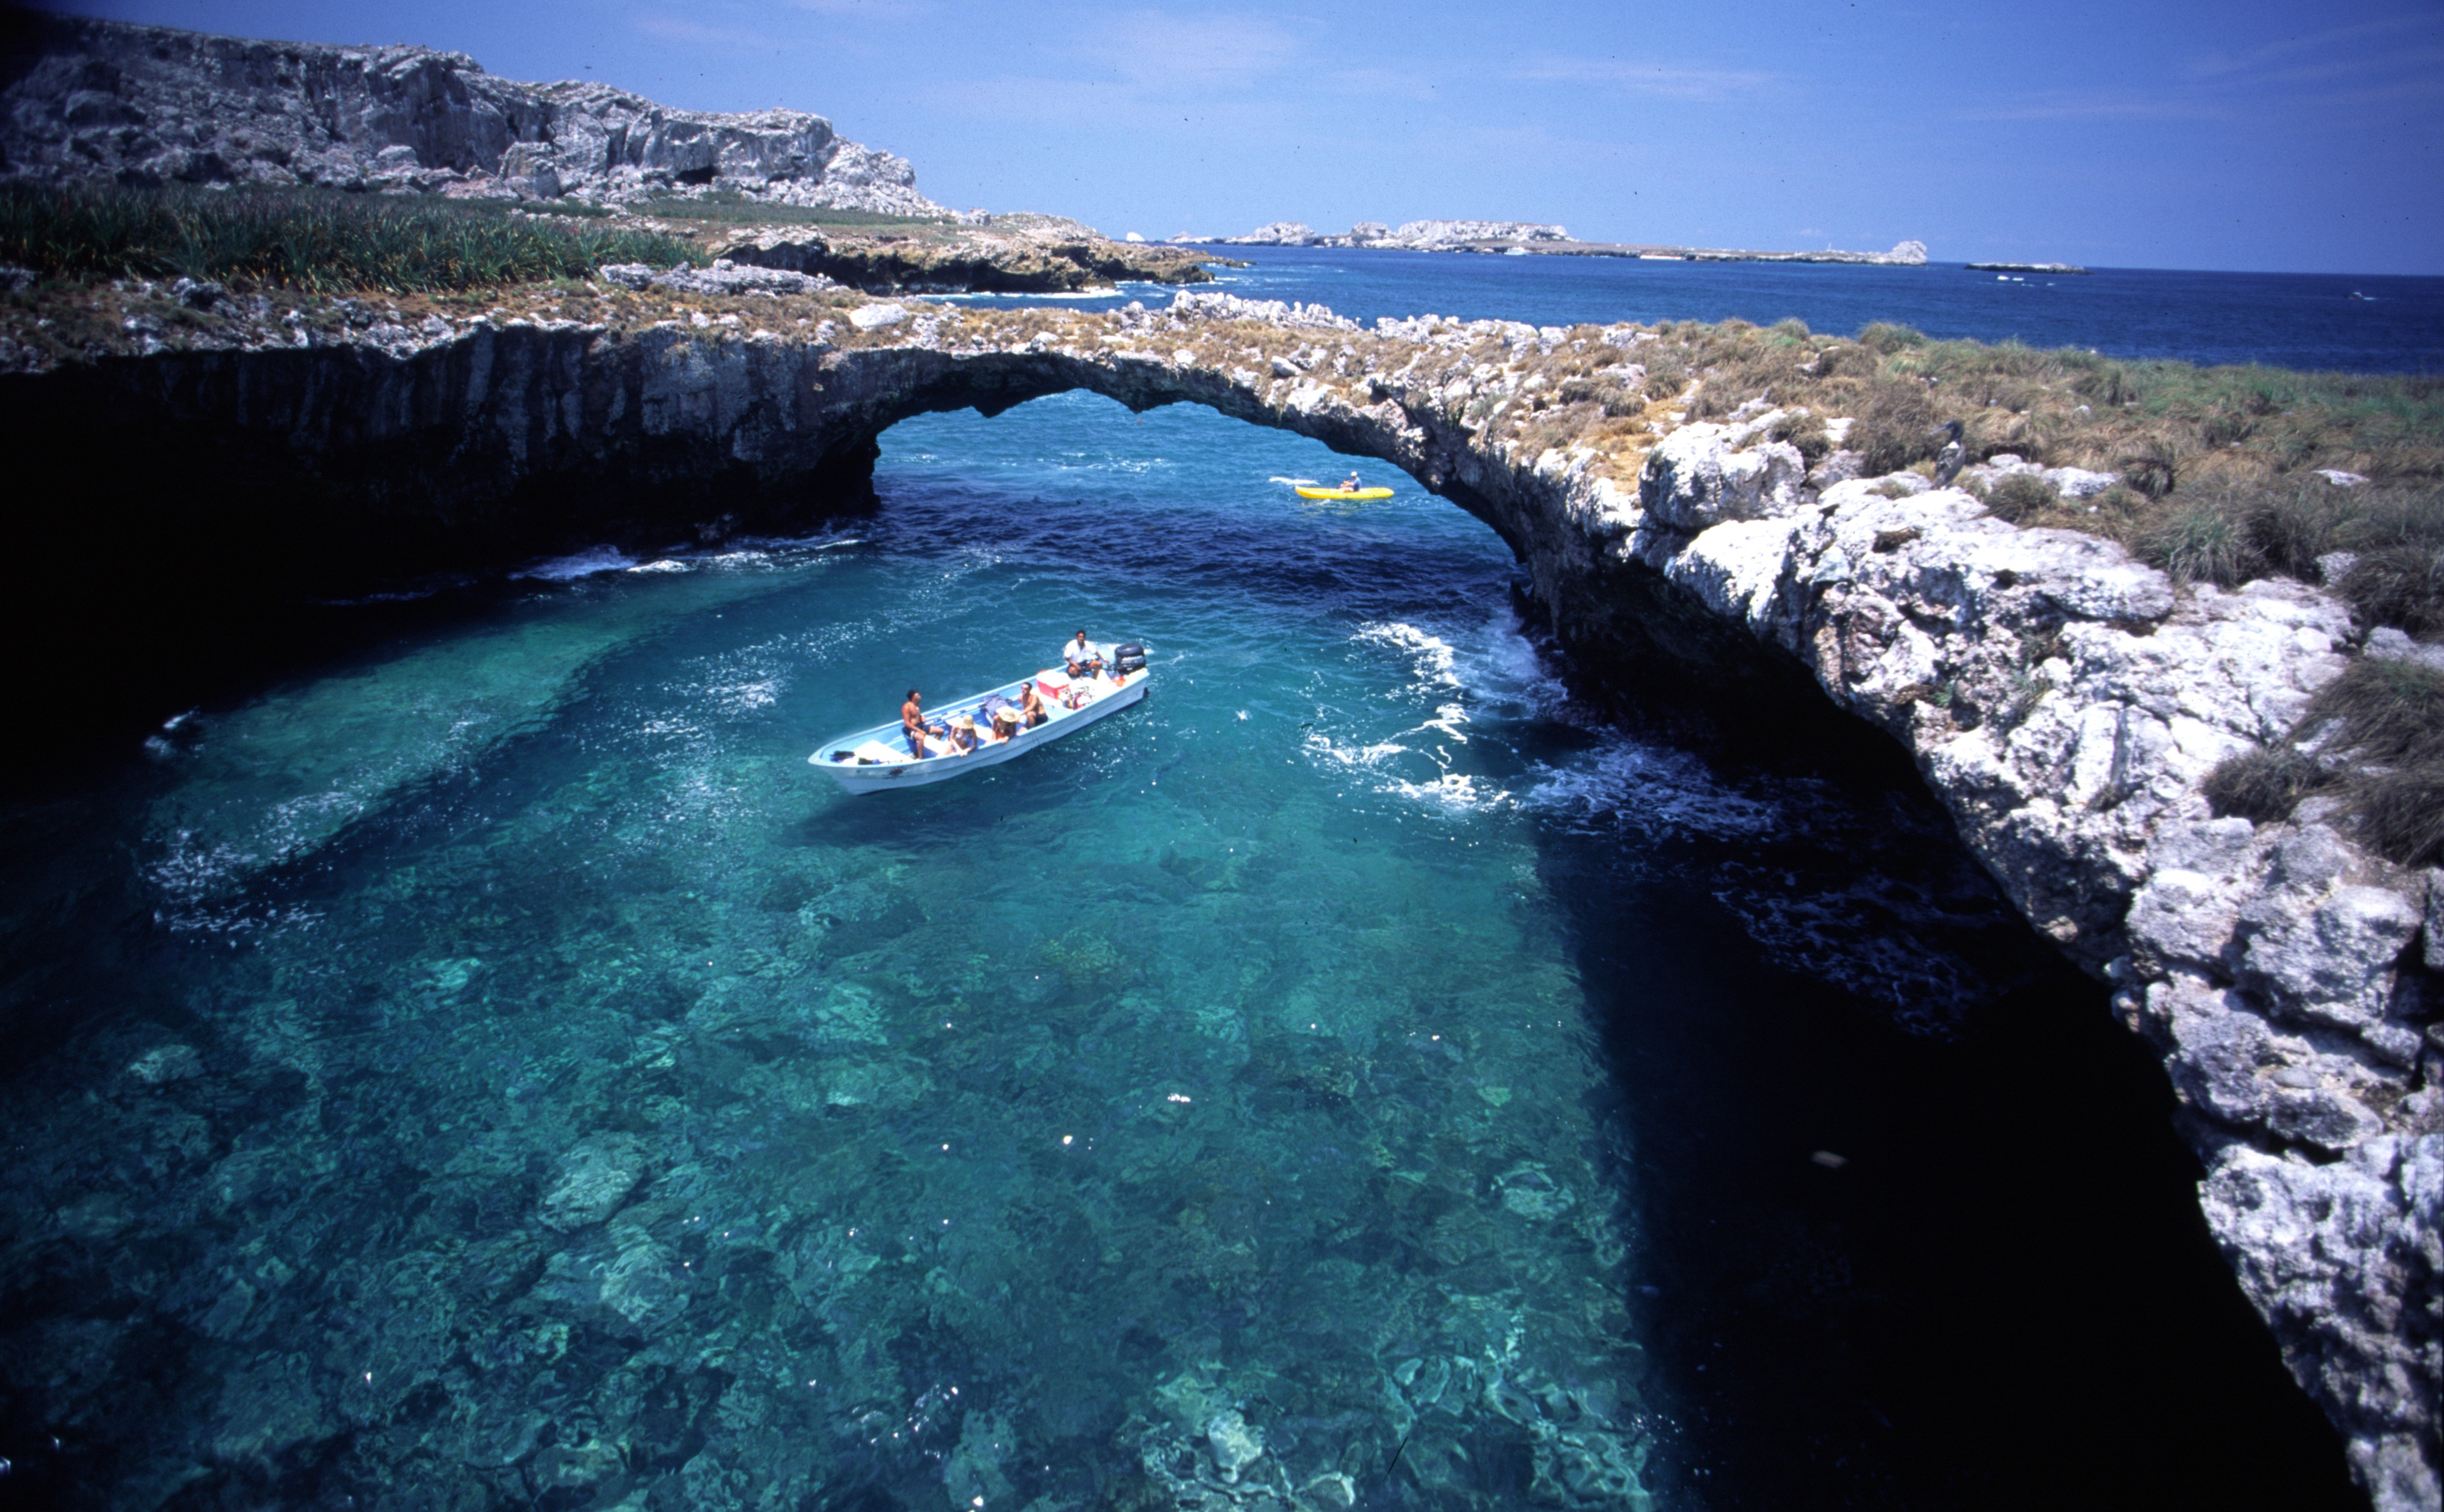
column 2063, row 702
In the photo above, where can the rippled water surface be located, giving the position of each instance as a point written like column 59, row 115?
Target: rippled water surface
column 497, row 1069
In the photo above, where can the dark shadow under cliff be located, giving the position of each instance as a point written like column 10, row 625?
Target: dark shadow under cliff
column 2003, row 1295
column 162, row 562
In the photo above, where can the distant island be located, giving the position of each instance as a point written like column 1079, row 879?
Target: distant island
column 1531, row 238
column 2025, row 268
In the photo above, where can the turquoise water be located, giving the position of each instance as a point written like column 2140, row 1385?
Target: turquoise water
column 491, row 1067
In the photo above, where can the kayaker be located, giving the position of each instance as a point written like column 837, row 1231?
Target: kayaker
column 1350, row 484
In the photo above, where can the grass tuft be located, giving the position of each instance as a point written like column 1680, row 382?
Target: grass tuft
column 316, row 240
column 2391, row 716
column 2402, row 586
column 2262, row 786
column 2200, row 544
column 2021, row 497
column 2401, row 815
column 2392, row 711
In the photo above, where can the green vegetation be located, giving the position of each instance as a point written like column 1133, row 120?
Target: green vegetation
column 2263, row 785
column 318, row 241
column 731, row 207
column 2388, row 717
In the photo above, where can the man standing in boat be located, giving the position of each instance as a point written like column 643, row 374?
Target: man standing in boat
column 1083, row 658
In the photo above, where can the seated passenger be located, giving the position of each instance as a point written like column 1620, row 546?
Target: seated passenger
column 1082, row 657
column 912, row 724
column 1007, row 723
column 963, row 736
column 1030, row 705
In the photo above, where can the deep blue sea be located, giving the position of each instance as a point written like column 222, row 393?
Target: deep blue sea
column 2310, row 320
column 477, row 1062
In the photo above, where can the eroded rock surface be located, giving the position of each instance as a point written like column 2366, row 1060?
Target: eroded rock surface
column 90, row 99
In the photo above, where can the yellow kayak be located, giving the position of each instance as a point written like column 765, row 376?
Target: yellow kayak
column 1344, row 495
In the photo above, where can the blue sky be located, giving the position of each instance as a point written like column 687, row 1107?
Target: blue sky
column 2284, row 137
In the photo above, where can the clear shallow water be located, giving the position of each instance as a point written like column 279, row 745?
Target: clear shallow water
column 2307, row 321
column 495, row 1068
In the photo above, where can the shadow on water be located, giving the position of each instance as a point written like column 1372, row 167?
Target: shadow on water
column 1994, row 1287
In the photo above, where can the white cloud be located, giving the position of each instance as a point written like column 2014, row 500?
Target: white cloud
column 1647, row 76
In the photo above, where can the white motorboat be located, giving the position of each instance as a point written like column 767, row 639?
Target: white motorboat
column 872, row 760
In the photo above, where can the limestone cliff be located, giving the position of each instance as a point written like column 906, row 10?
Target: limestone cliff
column 2061, row 700
column 100, row 99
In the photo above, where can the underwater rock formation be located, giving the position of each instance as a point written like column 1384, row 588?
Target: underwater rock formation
column 2064, row 701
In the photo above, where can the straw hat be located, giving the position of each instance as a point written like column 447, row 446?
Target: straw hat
column 965, row 722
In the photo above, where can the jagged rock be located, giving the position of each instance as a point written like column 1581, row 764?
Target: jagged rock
column 1215, row 305
column 1277, row 233
column 723, row 277
column 1015, row 255
column 1694, row 479
column 1420, row 235
column 2388, row 645
column 103, row 100
column 1235, row 1444
column 1838, row 467
column 2436, row 919
column 2342, row 1258
column 2229, row 1063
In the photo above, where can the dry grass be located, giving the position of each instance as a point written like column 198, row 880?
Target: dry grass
column 2219, row 465
column 2384, row 720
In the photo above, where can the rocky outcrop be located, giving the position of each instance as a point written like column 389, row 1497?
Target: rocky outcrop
column 1416, row 235
column 98, row 100
column 1530, row 236
column 1011, row 254
column 2061, row 700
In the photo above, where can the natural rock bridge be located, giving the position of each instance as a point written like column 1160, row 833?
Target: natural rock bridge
column 2062, row 701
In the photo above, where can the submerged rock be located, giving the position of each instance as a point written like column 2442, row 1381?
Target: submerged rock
column 596, row 1176
column 167, row 1063
column 1235, row 1444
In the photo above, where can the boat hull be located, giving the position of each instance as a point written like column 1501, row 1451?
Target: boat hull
column 883, row 777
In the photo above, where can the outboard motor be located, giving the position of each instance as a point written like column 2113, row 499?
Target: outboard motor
column 1127, row 659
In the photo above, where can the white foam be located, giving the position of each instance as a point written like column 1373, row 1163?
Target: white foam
column 1434, row 658
column 665, row 564
column 584, row 563
column 1631, row 786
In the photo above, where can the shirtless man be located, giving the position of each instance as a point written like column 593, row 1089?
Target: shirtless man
column 912, row 724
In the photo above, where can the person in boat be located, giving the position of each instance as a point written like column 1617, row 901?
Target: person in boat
column 1084, row 657
column 912, row 724
column 1030, row 705
column 962, row 740
column 1350, row 484
column 1008, row 722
